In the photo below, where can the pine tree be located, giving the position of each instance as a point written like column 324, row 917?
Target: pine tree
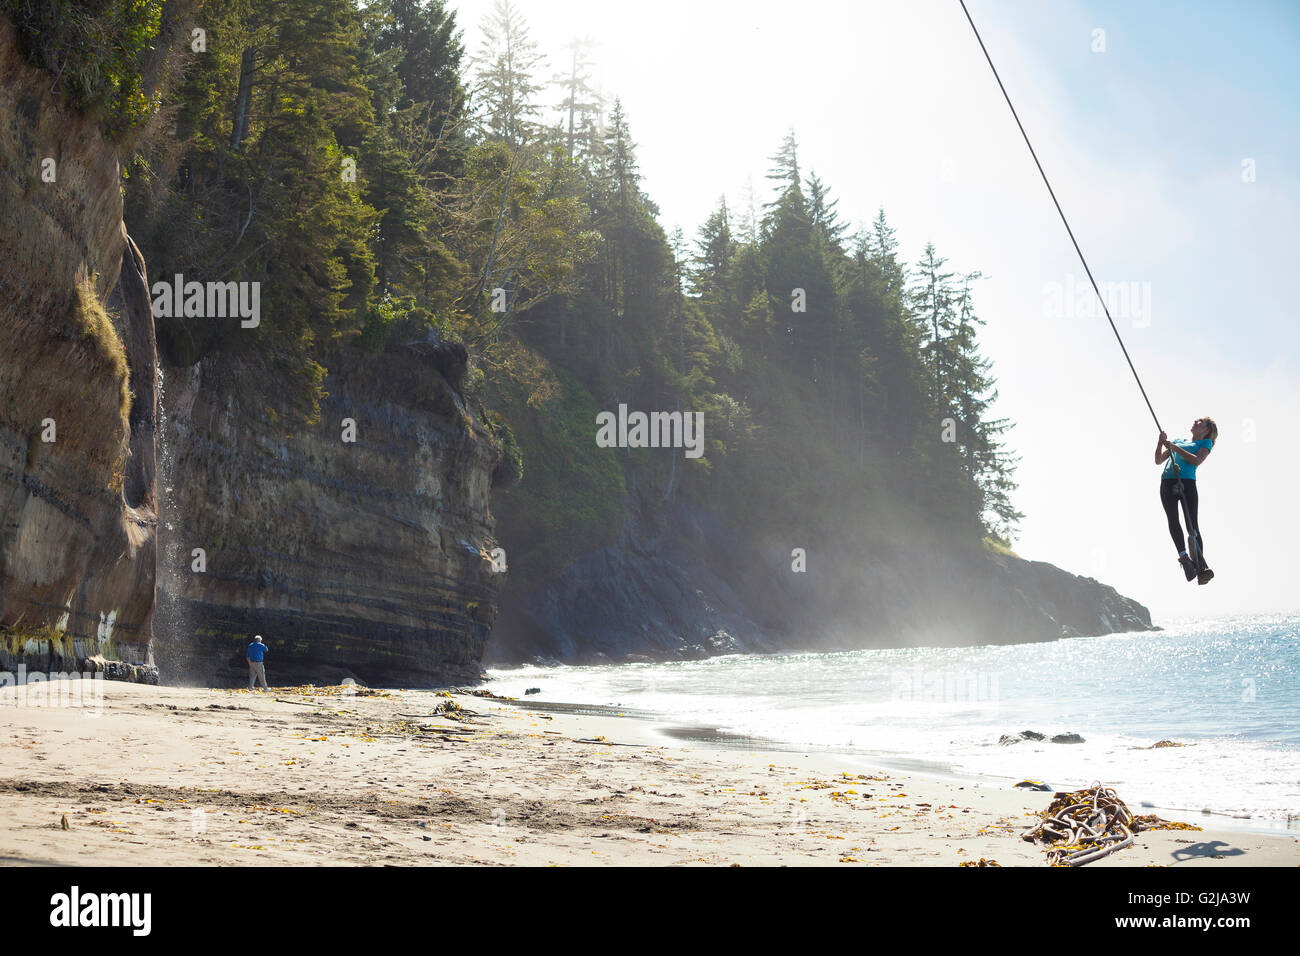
column 711, row 278
column 984, row 457
column 881, row 246
column 932, row 303
column 423, row 44
column 821, row 213
column 788, row 255
column 581, row 101
column 623, row 192
column 506, row 62
column 425, row 33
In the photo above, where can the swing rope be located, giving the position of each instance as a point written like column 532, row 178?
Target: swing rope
column 1052, row 192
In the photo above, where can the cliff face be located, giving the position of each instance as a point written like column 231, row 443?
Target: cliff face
column 696, row 588
column 360, row 559
column 77, row 403
column 351, row 558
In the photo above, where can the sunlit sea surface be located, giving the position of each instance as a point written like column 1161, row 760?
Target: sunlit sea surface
column 1229, row 689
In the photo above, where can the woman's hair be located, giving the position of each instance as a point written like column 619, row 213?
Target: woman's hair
column 1214, row 429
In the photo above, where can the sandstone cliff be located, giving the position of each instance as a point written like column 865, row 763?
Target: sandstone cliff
column 356, row 558
column 360, row 559
column 77, row 403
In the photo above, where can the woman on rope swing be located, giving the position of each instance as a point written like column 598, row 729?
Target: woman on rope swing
column 1179, row 480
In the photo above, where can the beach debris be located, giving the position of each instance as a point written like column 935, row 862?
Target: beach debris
column 1149, row 821
column 482, row 692
column 1085, row 825
column 450, row 710
column 64, row 823
column 1160, row 744
column 1006, row 740
column 532, row 690
column 980, row 862
column 602, row 741
column 331, row 690
column 1033, row 785
column 1067, row 739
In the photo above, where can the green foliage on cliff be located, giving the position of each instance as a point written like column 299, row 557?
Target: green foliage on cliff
column 91, row 321
column 255, row 186
column 333, row 152
column 96, row 49
column 571, row 497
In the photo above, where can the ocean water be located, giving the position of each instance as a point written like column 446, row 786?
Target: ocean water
column 1228, row 689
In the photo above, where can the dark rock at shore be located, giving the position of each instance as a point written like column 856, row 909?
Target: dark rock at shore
column 1007, row 740
column 688, row 586
column 690, row 590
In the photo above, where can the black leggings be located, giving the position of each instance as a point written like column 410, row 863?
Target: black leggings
column 1170, row 501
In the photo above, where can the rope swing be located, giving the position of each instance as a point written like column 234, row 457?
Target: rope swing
column 1192, row 532
column 1052, row 192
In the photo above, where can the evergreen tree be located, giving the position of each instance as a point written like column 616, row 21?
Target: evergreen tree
column 984, row 456
column 932, row 304
column 821, row 213
column 423, row 43
column 506, row 85
column 711, row 277
column 581, row 101
column 790, row 261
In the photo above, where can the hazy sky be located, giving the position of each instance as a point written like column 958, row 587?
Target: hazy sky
column 1148, row 143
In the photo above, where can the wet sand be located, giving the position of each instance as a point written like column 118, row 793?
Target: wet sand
column 321, row 776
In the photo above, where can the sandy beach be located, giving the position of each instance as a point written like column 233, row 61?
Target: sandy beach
column 343, row 776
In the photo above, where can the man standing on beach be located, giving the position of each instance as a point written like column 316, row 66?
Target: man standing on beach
column 256, row 669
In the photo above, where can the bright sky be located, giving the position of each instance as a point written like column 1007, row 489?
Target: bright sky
column 1148, row 141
